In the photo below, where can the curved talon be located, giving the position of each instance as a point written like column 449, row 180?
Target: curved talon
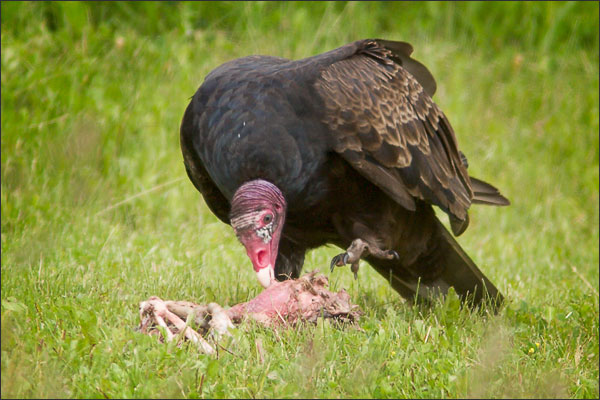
column 358, row 249
column 354, row 268
column 339, row 260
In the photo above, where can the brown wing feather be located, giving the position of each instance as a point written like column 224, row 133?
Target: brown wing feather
column 385, row 123
column 401, row 52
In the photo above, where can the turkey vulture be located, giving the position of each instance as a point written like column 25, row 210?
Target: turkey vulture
column 345, row 147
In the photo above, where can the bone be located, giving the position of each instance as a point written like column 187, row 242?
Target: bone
column 220, row 322
column 185, row 309
column 283, row 303
column 156, row 309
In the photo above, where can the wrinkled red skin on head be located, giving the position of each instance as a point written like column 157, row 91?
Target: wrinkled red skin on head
column 250, row 204
column 260, row 253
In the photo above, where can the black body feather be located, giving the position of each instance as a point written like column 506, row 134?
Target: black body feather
column 358, row 148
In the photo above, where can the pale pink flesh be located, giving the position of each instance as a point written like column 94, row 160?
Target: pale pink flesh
column 299, row 299
column 288, row 302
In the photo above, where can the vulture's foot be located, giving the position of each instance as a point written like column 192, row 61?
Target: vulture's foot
column 358, row 249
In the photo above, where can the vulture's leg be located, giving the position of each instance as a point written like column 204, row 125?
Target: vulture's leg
column 290, row 259
column 358, row 249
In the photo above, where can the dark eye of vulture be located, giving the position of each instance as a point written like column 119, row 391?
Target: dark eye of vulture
column 346, row 148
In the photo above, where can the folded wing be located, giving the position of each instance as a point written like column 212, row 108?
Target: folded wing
column 385, row 124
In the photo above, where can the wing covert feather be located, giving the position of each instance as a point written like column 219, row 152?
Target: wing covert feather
column 387, row 126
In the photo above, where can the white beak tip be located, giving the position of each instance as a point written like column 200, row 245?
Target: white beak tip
column 265, row 276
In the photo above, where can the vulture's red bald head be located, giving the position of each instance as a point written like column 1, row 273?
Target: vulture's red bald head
column 257, row 216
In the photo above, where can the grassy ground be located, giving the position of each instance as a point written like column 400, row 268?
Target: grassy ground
column 97, row 213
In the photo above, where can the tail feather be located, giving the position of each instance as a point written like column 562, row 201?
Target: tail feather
column 454, row 269
column 484, row 193
column 462, row 273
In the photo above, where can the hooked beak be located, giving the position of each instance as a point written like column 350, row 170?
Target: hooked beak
column 266, row 276
column 263, row 261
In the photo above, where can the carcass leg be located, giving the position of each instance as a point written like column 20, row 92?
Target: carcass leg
column 155, row 310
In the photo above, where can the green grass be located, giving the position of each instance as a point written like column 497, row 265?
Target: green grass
column 98, row 215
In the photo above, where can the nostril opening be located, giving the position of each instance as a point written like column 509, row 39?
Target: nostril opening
column 261, row 258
